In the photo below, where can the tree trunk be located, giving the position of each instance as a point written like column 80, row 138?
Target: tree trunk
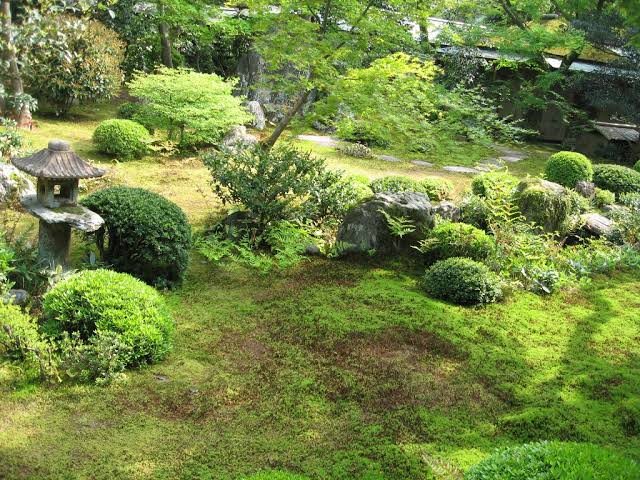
column 165, row 42
column 286, row 120
column 23, row 117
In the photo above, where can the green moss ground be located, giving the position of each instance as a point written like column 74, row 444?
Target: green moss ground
column 298, row 370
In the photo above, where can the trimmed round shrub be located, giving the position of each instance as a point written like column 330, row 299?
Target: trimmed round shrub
column 122, row 138
column 484, row 183
column 616, row 178
column 548, row 205
column 144, row 234
column 275, row 475
column 462, row 281
column 449, row 239
column 554, row 460
column 568, row 168
column 435, row 188
column 603, row 197
column 475, row 211
column 99, row 301
column 636, row 167
column 355, row 150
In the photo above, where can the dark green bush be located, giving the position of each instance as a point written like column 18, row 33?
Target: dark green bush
column 435, row 188
column 96, row 301
column 484, row 183
column 279, row 184
column 636, row 167
column 554, row 460
column 124, row 139
column 18, row 332
column 144, row 234
column 616, row 178
column 449, row 239
column 603, row 197
column 568, row 168
column 462, row 281
column 127, row 110
column 475, row 211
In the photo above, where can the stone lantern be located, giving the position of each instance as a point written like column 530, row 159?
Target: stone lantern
column 58, row 170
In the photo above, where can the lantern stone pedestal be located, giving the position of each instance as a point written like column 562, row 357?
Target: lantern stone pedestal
column 55, row 203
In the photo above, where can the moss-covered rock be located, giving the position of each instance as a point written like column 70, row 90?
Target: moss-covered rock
column 547, row 204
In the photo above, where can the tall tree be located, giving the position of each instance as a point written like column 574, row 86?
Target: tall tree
column 320, row 39
column 23, row 115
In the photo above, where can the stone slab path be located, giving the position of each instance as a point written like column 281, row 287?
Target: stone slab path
column 507, row 155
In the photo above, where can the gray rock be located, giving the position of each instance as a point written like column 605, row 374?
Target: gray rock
column 458, row 169
column 596, row 224
column 365, row 228
column 389, row 158
column 255, row 109
column 448, row 211
column 312, row 250
column 14, row 185
column 586, row 189
column 422, row 163
column 239, row 139
column 615, row 209
column 16, row 297
column 512, row 158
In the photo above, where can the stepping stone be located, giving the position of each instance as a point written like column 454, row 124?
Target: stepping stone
column 509, row 151
column 484, row 168
column 389, row 158
column 422, row 163
column 512, row 158
column 495, row 162
column 319, row 140
column 457, row 169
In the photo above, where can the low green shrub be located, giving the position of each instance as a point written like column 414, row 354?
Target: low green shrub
column 603, row 197
column 124, row 139
column 100, row 301
column 554, row 460
column 462, row 281
column 18, row 333
column 435, row 188
column 128, row 110
column 355, row 150
column 144, row 234
column 636, row 167
column 568, row 168
column 616, row 178
column 449, row 239
column 475, row 211
column 484, row 183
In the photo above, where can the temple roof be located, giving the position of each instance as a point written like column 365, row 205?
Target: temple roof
column 57, row 161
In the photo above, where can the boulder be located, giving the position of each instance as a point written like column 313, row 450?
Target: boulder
column 255, row 109
column 365, row 228
column 547, row 204
column 586, row 189
column 448, row 211
column 14, row 185
column 596, row 225
column 16, row 297
column 238, row 138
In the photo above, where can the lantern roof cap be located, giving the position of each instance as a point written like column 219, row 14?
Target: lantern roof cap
column 57, row 161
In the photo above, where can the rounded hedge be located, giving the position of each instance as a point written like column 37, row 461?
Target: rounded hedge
column 462, row 281
column 486, row 182
column 568, row 168
column 122, row 138
column 603, row 197
column 449, row 239
column 616, row 178
column 554, row 460
column 144, row 234
column 99, row 301
column 434, row 187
